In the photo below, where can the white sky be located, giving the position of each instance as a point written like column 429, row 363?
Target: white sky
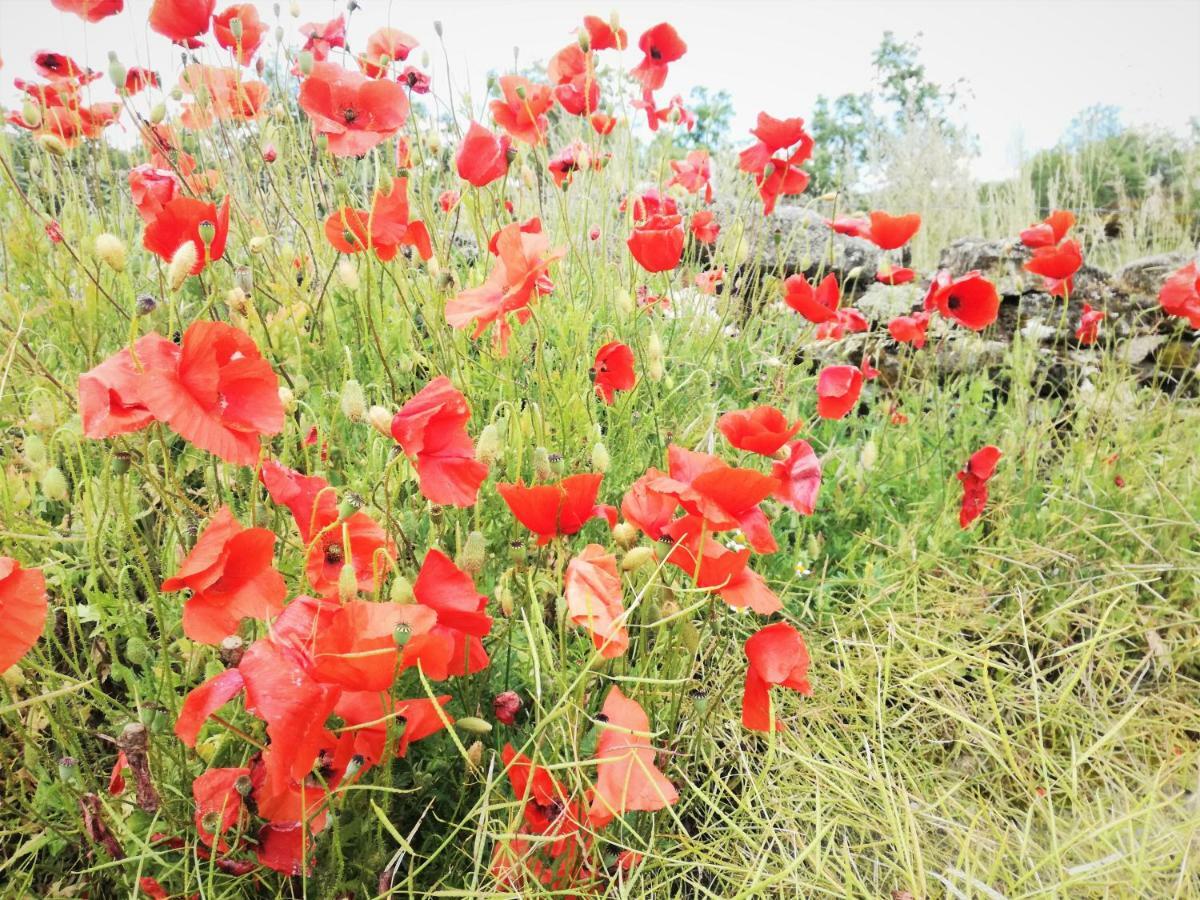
column 1030, row 65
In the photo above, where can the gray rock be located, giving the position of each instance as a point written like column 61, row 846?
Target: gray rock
column 795, row 240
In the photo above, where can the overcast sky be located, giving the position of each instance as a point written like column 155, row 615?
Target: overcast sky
column 1030, row 65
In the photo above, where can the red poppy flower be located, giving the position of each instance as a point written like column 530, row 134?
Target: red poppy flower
column 674, row 112
column 517, row 279
column 891, row 232
column 1089, row 325
column 182, row 21
column 799, row 478
column 204, row 700
column 321, row 37
column 574, row 157
column 838, row 388
column 369, row 712
column 454, row 645
column 649, row 509
column 575, row 87
column 613, row 370
column 356, row 647
column 762, row 430
column 777, row 176
column 151, row 190
column 385, row 46
column 447, row 200
column 602, row 123
column 138, row 79
column 661, row 45
column 231, row 578
column 627, row 779
column 974, row 477
column 353, row 112
column 483, row 156
column 657, row 243
column 23, row 609
column 593, row 591
column 719, row 569
column 603, row 36
column 894, row 277
column 1056, row 265
column 846, row 320
column 385, row 229
column 522, row 112
column 252, row 29
column 415, row 80
column 818, row 304
column 332, row 541
column 709, row 281
column 650, row 203
column 562, row 508
column 777, row 656
column 90, row 10
column 693, row 173
column 851, row 226
column 215, row 390
column 1180, row 294
column 970, row 300
column 109, row 397
column 218, row 804
column 704, row 227
column 184, row 219
column 431, row 429
column 57, row 66
column 721, row 496
column 910, row 329
column 1050, row 231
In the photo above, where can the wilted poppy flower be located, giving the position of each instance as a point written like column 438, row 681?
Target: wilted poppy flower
column 505, row 707
column 454, row 645
column 838, row 388
column 151, row 190
column 661, row 45
column 762, row 430
column 657, row 243
column 593, row 590
column 575, row 87
column 1056, row 265
column 182, row 21
column 613, row 370
column 562, row 508
column 1180, row 294
column 385, row 229
column 431, row 429
column 818, row 304
column 57, row 66
column 244, row 39
column 230, row 575
column 184, row 219
column 895, row 276
column 522, row 111
column 519, row 276
column 704, row 226
column 910, row 329
column 627, row 779
column 218, row 804
column 215, row 390
column 1089, row 325
column 777, row 176
column 483, row 156
column 603, row 36
column 90, row 10
column 1050, row 231
column 721, row 496
column 692, row 173
column 891, row 232
column 974, row 477
column 321, row 37
column 970, row 300
column 777, row 656
column 138, row 79
column 385, row 46
column 355, row 113
column 332, row 541
column 110, row 401
column 799, row 478
column 22, row 610
column 649, row 509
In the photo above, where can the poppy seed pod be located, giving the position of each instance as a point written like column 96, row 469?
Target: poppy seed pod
column 182, row 262
column 111, row 251
column 636, row 558
column 354, row 402
column 54, row 484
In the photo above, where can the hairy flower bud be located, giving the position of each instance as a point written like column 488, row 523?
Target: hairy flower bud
column 473, row 725
column 181, row 265
column 354, row 402
column 305, row 62
column 54, row 484
column 347, row 275
column 474, row 554
column 401, row 590
column 625, row 535
column 636, row 558
column 542, row 470
column 158, row 112
column 491, row 444
column 381, row 420
column 654, row 357
column 111, row 250
column 116, row 72
column 53, row 144
column 287, row 398
column 600, row 457
column 347, row 582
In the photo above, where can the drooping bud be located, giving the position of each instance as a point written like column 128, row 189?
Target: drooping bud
column 54, row 484
column 354, row 402
column 542, row 470
column 181, row 265
column 624, row 303
column 347, row 582
column 600, row 457
column 53, row 144
column 474, row 554
column 636, row 558
column 116, row 71
column 237, row 301
column 381, row 420
column 158, row 112
column 111, row 250
column 437, row 27
column 401, row 590
column 287, row 398
column 31, row 115
column 348, row 275
column 504, row 598
column 625, row 535
column 490, row 444
column 654, row 357
column 258, row 244
column 305, row 62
